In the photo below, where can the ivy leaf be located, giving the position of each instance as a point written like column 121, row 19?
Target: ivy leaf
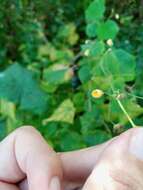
column 107, row 30
column 127, row 64
column 18, row 85
column 64, row 113
column 95, row 11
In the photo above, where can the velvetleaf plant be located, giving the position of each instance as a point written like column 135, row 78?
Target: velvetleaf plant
column 37, row 85
column 110, row 68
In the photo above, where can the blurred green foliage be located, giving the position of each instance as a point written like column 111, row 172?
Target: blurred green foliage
column 54, row 53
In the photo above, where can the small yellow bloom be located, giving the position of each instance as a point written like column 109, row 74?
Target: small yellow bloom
column 97, row 93
column 109, row 42
column 87, row 41
column 117, row 16
column 87, row 52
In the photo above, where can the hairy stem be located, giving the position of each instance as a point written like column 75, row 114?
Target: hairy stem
column 125, row 112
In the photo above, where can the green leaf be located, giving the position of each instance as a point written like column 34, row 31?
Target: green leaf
column 8, row 109
column 118, row 83
column 100, row 81
column 94, row 48
column 91, row 30
column 114, row 111
column 67, row 33
column 127, row 64
column 97, row 137
column 95, row 11
column 107, row 30
column 49, row 87
column 84, row 74
column 18, row 85
column 79, row 100
column 97, row 48
column 3, row 129
column 133, row 110
column 50, row 130
column 64, row 113
column 56, row 74
column 120, row 65
column 110, row 64
column 70, row 142
column 89, row 121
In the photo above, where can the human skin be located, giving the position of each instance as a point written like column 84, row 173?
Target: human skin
column 27, row 162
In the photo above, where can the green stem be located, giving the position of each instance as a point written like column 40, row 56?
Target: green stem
column 133, row 95
column 126, row 113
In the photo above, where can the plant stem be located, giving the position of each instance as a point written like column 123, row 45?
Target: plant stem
column 133, row 95
column 126, row 113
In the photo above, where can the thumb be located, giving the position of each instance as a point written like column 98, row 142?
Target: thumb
column 100, row 179
column 120, row 166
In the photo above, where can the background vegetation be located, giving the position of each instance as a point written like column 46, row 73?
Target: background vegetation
column 54, row 53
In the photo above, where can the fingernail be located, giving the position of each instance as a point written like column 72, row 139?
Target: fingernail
column 55, row 184
column 136, row 144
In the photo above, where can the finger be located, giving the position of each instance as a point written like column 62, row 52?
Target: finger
column 5, row 186
column 72, row 186
column 23, row 185
column 120, row 165
column 25, row 153
column 78, row 165
column 75, row 169
column 66, row 185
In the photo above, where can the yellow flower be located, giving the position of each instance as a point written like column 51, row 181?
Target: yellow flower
column 109, row 42
column 117, row 16
column 87, row 52
column 97, row 93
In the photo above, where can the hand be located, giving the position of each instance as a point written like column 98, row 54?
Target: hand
column 120, row 165
column 115, row 165
column 25, row 155
column 28, row 163
column 26, row 158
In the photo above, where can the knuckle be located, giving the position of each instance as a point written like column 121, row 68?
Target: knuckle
column 27, row 129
